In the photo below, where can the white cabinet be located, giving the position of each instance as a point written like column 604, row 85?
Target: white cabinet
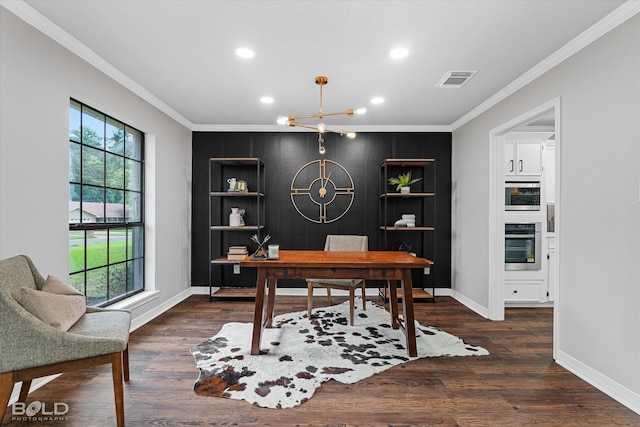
column 523, row 157
column 530, row 292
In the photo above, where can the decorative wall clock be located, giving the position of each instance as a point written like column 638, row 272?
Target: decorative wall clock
column 322, row 191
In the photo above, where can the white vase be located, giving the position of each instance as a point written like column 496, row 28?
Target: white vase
column 405, row 190
column 235, row 218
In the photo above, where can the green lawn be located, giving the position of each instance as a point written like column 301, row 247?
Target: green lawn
column 96, row 254
column 100, row 282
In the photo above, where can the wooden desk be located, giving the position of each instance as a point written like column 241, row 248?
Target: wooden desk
column 391, row 266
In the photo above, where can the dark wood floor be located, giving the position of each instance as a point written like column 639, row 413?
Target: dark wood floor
column 517, row 385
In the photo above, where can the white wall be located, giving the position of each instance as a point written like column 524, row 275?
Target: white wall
column 599, row 292
column 37, row 78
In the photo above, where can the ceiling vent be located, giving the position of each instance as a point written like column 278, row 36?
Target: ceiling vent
column 455, row 78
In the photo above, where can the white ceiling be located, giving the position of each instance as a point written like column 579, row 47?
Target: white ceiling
column 179, row 54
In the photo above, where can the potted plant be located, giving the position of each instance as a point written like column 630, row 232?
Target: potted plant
column 403, row 181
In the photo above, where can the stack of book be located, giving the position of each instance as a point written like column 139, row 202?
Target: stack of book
column 237, row 252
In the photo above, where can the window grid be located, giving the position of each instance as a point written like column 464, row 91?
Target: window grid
column 106, row 209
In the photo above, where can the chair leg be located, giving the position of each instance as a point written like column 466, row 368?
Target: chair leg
column 6, row 387
column 329, row 295
column 364, row 296
column 125, row 363
column 309, row 299
column 118, row 391
column 24, row 391
column 352, row 296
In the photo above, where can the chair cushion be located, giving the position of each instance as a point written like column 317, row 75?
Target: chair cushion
column 57, row 304
column 107, row 329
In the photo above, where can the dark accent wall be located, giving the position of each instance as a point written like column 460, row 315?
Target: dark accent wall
column 284, row 153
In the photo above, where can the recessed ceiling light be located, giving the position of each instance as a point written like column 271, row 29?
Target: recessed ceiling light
column 266, row 100
column 245, row 53
column 399, row 53
column 377, row 100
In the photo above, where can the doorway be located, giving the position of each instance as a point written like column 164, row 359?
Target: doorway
column 546, row 119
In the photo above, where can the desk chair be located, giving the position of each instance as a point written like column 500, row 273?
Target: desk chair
column 340, row 243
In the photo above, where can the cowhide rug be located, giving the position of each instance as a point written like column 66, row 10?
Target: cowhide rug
column 299, row 354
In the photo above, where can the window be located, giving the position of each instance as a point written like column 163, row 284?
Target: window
column 106, row 209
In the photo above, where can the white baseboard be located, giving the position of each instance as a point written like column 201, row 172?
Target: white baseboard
column 548, row 304
column 157, row 311
column 482, row 311
column 616, row 391
column 200, row 290
column 440, row 292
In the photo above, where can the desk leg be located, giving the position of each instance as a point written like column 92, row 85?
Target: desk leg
column 259, row 309
column 392, row 288
column 407, row 311
column 272, row 284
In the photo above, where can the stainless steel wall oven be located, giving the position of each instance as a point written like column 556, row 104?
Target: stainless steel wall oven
column 522, row 246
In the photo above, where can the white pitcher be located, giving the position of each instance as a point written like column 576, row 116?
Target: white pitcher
column 235, row 218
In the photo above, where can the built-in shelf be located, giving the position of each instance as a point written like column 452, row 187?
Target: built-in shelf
column 224, row 274
column 235, row 228
column 408, row 162
column 224, row 260
column 391, row 228
column 421, row 202
column 402, row 195
column 236, row 194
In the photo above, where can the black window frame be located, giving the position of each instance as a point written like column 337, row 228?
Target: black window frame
column 132, row 268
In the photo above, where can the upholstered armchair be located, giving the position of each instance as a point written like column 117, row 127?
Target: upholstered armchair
column 46, row 329
column 340, row 243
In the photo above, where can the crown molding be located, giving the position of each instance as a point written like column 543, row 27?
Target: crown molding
column 288, row 129
column 44, row 25
column 597, row 30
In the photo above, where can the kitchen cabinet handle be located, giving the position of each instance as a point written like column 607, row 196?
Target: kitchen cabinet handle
column 520, row 165
column 511, row 161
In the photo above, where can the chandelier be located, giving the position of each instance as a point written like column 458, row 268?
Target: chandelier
column 321, row 128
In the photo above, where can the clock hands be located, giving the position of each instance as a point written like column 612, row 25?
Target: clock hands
column 323, row 189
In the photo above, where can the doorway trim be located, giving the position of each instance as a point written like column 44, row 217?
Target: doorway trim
column 496, row 205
